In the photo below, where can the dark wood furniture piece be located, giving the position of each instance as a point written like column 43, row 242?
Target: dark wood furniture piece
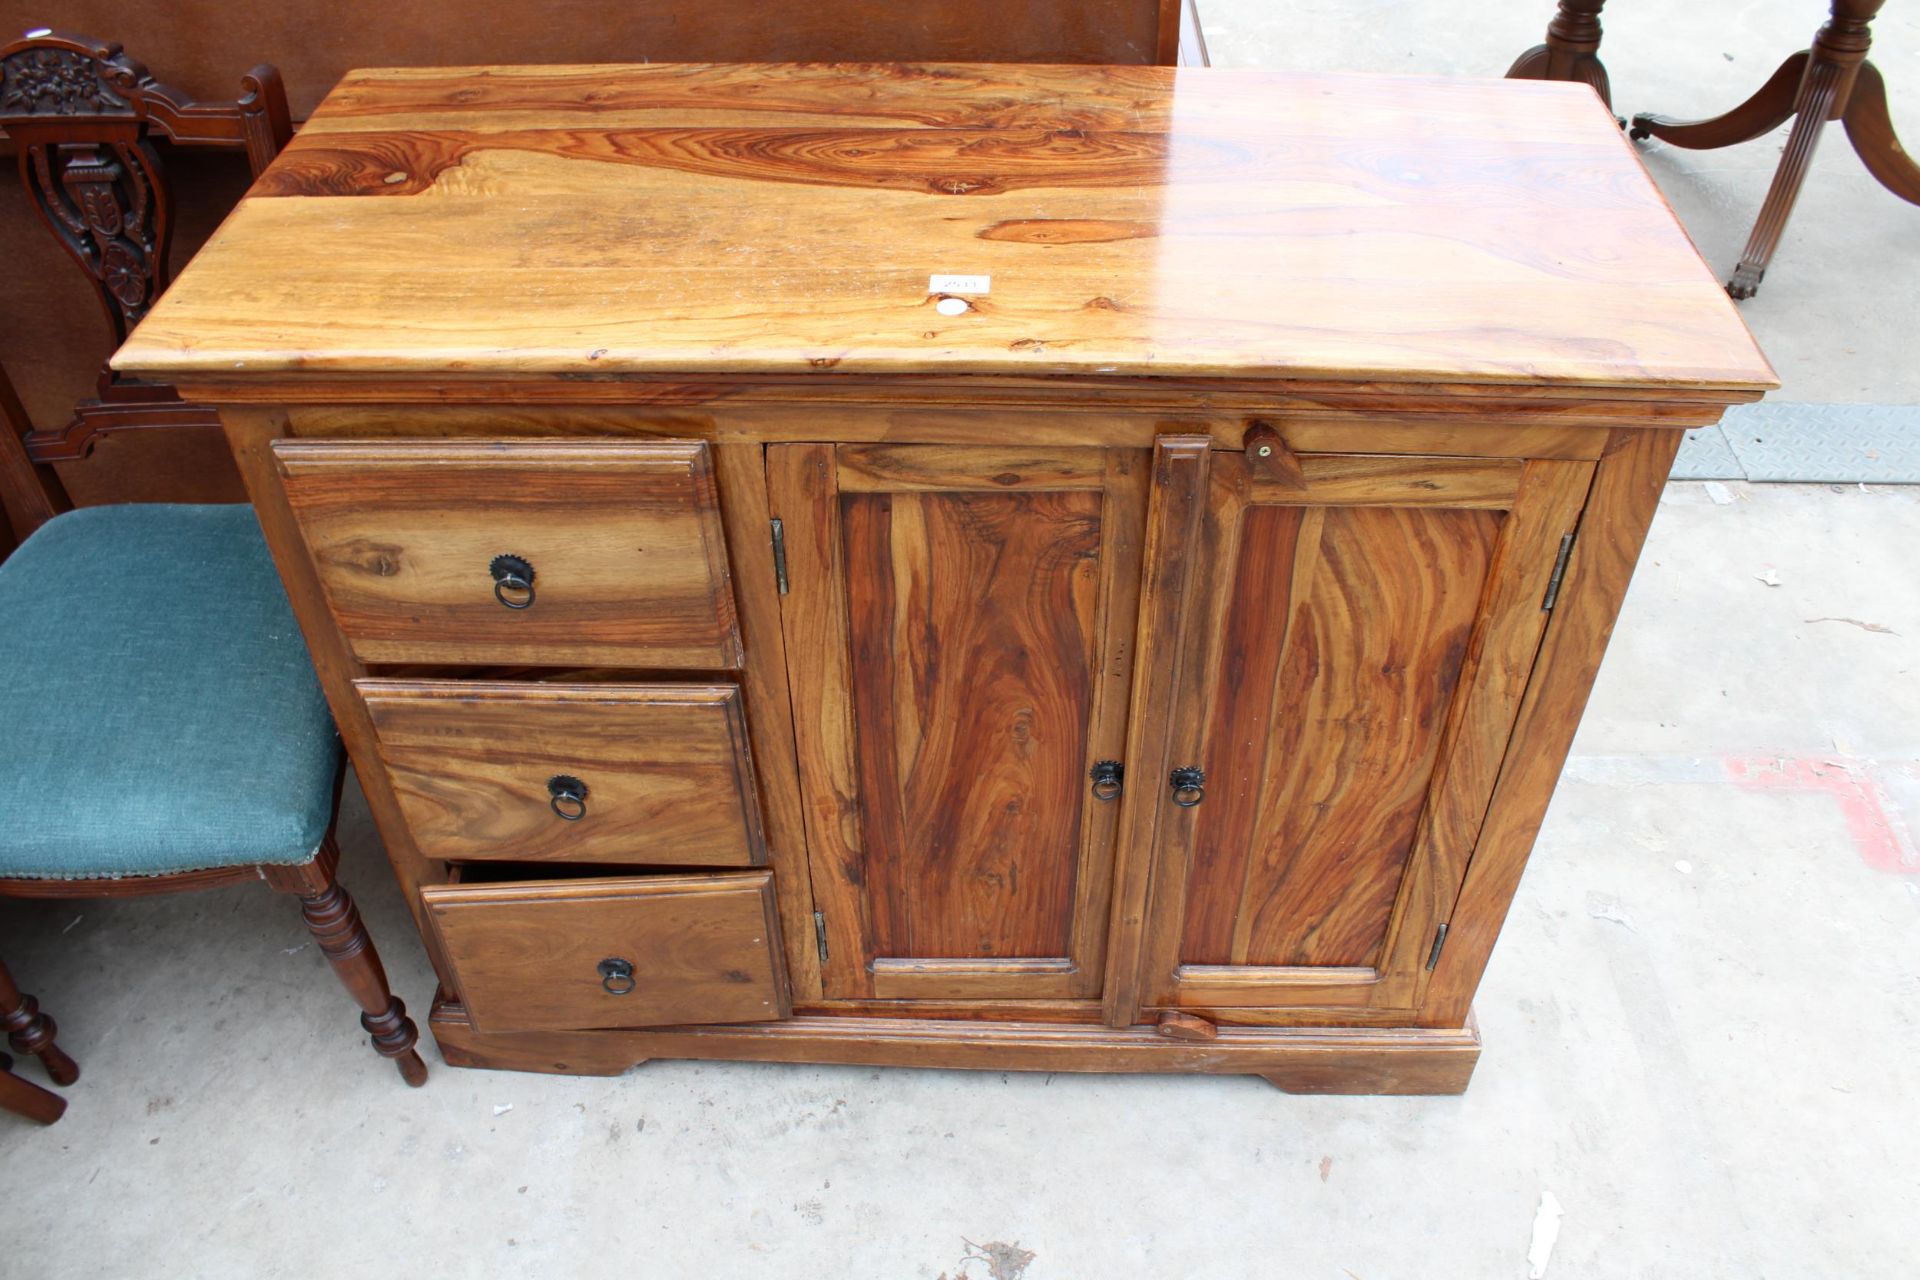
column 1831, row 80
column 50, row 333
column 956, row 565
column 1571, row 50
column 32, row 1032
column 177, row 714
column 85, row 121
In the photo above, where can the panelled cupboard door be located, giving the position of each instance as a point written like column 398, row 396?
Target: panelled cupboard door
column 959, row 626
column 1356, row 641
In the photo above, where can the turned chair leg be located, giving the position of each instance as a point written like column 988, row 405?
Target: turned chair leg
column 335, row 924
column 1571, row 52
column 24, row 1098
column 30, row 1031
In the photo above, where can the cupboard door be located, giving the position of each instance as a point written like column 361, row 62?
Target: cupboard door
column 1356, row 640
column 959, row 625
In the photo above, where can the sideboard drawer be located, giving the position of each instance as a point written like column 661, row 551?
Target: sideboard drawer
column 570, row 772
column 520, row 552
column 648, row 951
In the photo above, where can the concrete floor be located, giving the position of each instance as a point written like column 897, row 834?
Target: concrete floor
column 1700, row 1024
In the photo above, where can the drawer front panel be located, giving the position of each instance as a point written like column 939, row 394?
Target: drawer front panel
column 642, row 774
column 653, row 951
column 534, row 553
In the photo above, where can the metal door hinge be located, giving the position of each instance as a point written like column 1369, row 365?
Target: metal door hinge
column 820, row 934
column 780, row 555
column 1559, row 572
column 1439, row 941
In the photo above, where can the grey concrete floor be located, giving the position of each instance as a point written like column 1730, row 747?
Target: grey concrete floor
column 1700, row 1023
column 1700, row 1033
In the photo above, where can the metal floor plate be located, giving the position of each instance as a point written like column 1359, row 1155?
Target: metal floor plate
column 1807, row 443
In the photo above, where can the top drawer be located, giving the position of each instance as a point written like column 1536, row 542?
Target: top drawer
column 518, row 552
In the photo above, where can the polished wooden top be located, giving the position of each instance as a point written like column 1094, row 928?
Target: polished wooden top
column 699, row 220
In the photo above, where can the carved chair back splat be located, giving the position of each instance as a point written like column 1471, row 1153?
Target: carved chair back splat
column 84, row 117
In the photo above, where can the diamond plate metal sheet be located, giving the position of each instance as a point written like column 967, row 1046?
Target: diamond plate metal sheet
column 1825, row 443
column 1706, row 455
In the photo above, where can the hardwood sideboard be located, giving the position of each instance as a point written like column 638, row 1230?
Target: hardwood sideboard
column 974, row 566
column 52, row 340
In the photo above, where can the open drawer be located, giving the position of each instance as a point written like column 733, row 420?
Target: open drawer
column 639, row 951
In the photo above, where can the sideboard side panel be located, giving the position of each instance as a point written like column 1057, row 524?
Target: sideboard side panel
column 1626, row 492
column 251, row 433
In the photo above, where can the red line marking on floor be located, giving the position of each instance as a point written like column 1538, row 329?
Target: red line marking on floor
column 1878, row 835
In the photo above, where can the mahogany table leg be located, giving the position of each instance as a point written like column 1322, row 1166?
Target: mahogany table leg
column 1832, row 80
column 30, row 1031
column 24, row 1098
column 1571, row 51
column 1764, row 112
column 1817, row 96
column 1870, row 130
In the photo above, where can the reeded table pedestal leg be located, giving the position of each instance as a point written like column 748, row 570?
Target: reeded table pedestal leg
column 1571, row 51
column 1832, row 80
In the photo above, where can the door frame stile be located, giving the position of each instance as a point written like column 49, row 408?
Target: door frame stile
column 801, row 482
column 1179, row 494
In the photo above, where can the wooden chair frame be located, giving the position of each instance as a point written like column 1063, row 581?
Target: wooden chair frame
column 34, row 496
column 32, row 1032
column 84, row 115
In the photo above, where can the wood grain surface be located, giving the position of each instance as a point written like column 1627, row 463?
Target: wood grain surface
column 1625, row 494
column 973, row 640
column 1343, row 641
column 957, row 621
column 625, row 540
column 668, row 776
column 1347, row 675
column 548, row 221
column 740, row 470
column 702, row 948
column 1296, row 1059
column 1168, row 589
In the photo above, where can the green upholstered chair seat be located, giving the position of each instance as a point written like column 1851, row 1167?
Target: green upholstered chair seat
column 158, row 710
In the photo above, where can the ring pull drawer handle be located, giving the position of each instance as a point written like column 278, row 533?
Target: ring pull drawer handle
column 1189, row 785
column 512, row 581
column 567, row 797
column 1108, row 777
column 616, row 976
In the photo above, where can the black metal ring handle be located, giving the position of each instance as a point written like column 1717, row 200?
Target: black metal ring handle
column 616, row 976
column 567, row 797
column 1108, row 777
column 1189, row 786
column 512, row 581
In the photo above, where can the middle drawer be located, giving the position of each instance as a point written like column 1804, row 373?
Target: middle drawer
column 621, row 773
